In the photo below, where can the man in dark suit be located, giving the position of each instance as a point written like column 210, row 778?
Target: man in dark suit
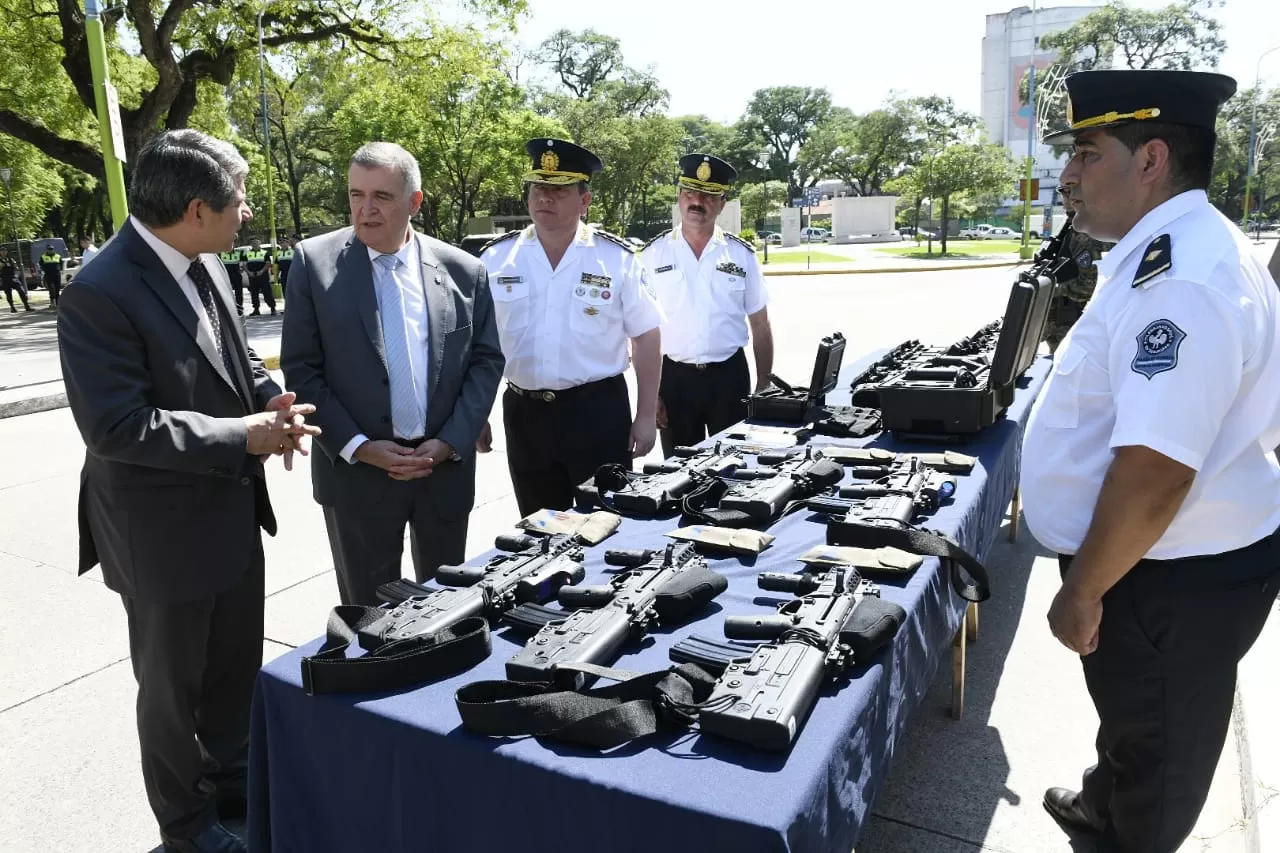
column 177, row 414
column 391, row 335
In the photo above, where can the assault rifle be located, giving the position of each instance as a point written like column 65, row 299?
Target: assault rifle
column 658, row 586
column 881, row 513
column 430, row 633
column 764, row 693
column 660, row 486
column 534, row 571
column 758, row 495
column 866, row 385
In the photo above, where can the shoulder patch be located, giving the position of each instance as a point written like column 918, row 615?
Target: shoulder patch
column 496, row 240
column 1156, row 258
column 654, row 239
column 738, row 239
column 1158, row 347
column 614, row 238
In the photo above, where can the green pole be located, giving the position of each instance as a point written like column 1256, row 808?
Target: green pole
column 266, row 143
column 111, row 159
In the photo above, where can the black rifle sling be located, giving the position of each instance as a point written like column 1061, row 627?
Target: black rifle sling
column 598, row 717
column 975, row 587
column 393, row 666
column 703, row 506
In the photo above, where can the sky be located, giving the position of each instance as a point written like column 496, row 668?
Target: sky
column 711, row 55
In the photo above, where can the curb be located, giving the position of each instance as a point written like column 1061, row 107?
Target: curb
column 1248, row 798
column 865, row 271
column 31, row 405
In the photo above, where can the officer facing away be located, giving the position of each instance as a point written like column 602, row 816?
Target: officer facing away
column 1147, row 461
column 51, row 268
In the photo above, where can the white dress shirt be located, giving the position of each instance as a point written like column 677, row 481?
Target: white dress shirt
column 177, row 264
column 408, row 276
column 87, row 254
column 567, row 326
column 705, row 301
column 1187, row 363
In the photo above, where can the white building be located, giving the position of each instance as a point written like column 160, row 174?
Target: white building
column 1006, row 57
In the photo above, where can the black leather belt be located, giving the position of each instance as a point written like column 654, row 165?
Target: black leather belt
column 549, row 396
column 701, row 365
column 409, row 442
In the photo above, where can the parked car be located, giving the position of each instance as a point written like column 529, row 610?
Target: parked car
column 1001, row 233
column 814, row 235
column 975, row 232
column 774, row 239
column 473, row 243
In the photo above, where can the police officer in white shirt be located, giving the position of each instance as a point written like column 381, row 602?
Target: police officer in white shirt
column 569, row 299
column 710, row 288
column 1147, row 460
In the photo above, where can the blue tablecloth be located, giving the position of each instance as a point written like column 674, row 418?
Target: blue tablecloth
column 398, row 773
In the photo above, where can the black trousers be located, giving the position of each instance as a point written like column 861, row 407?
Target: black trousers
column 367, row 541
column 9, row 287
column 1163, row 681
column 702, row 401
column 553, row 446
column 261, row 285
column 237, row 286
column 53, row 283
column 195, row 664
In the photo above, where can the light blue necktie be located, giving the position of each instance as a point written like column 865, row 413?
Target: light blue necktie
column 405, row 415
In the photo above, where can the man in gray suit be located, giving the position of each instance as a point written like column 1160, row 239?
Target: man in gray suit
column 177, row 415
column 391, row 334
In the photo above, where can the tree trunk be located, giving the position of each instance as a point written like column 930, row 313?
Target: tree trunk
column 946, row 217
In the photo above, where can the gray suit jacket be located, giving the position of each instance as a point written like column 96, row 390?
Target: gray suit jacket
column 332, row 354
column 170, row 502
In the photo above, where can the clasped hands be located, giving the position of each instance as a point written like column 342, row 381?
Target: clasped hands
column 404, row 463
column 280, row 428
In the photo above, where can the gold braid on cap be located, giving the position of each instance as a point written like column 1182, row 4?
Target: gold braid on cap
column 555, row 177
column 703, row 186
column 1108, row 118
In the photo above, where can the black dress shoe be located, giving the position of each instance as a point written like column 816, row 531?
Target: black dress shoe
column 1070, row 809
column 215, row 839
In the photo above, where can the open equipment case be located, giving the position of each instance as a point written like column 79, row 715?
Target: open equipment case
column 783, row 403
column 953, row 395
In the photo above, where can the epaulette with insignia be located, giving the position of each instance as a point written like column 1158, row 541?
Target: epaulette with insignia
column 655, row 239
column 496, row 240
column 738, row 239
column 614, row 238
column 1156, row 258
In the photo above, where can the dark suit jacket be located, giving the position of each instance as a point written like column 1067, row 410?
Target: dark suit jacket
column 332, row 354
column 170, row 503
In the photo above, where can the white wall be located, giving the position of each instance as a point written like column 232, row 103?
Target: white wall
column 790, row 226
column 862, row 217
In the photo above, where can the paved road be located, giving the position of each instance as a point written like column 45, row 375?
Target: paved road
column 69, row 777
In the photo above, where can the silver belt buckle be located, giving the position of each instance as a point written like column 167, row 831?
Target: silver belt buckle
column 548, row 396
column 700, row 366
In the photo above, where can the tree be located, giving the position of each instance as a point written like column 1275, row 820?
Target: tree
column 180, row 44
column 784, row 117
column 1180, row 36
column 865, row 151
column 1231, row 156
column 456, row 110
column 960, row 172
column 759, row 201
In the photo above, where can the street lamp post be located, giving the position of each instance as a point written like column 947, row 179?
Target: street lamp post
column 6, row 175
column 1253, row 130
column 266, row 133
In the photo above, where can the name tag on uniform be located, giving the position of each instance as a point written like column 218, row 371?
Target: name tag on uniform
column 507, row 280
column 667, row 268
column 598, row 280
column 731, row 268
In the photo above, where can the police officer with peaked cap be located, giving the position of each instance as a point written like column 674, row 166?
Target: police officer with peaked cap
column 710, row 288
column 569, row 300
column 1147, row 461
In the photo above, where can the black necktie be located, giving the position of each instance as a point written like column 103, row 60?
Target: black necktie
column 204, row 287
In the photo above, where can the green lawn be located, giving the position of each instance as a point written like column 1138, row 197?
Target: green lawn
column 797, row 256
column 956, row 248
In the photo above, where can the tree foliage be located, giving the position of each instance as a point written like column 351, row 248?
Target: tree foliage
column 961, row 173
column 784, row 117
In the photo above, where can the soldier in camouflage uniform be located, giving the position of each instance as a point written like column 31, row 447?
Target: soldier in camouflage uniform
column 1070, row 296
